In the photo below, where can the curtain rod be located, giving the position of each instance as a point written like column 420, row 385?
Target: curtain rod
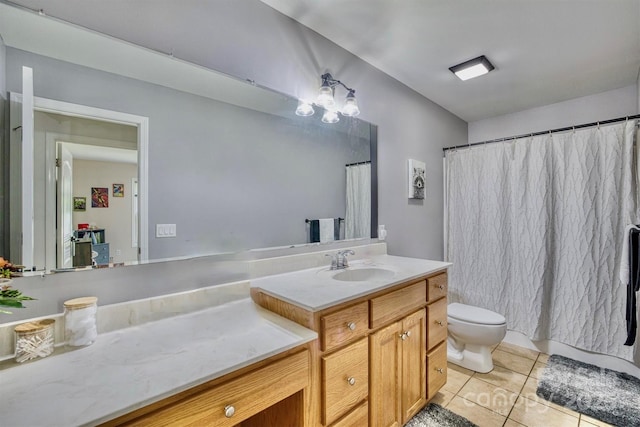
column 358, row 163
column 586, row 125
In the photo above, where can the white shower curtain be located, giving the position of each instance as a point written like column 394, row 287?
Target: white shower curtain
column 357, row 220
column 534, row 230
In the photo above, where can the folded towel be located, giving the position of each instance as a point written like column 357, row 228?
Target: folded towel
column 624, row 258
column 327, row 230
column 314, row 231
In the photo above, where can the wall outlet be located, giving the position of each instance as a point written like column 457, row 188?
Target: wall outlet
column 118, row 252
column 165, row 230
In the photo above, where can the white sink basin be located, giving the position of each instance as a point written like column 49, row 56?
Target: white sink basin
column 364, row 274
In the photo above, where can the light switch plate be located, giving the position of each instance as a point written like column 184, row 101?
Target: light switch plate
column 165, row 230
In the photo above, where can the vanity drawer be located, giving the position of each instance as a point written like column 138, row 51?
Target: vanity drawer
column 359, row 417
column 437, row 287
column 345, row 380
column 436, row 369
column 345, row 325
column 397, row 303
column 248, row 394
column 436, row 322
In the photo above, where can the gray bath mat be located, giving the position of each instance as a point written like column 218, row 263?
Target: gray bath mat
column 434, row 415
column 604, row 394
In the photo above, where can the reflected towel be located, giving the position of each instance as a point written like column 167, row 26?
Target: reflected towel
column 327, row 230
column 624, row 258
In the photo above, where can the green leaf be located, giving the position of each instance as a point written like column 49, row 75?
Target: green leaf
column 10, row 302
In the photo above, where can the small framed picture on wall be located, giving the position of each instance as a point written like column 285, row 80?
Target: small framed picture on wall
column 99, row 197
column 118, row 190
column 79, row 204
column 416, row 179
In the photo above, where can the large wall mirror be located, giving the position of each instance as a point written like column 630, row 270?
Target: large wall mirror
column 207, row 163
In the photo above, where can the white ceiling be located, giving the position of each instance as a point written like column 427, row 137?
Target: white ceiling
column 544, row 51
column 102, row 154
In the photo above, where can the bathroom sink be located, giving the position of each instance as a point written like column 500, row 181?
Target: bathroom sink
column 364, row 274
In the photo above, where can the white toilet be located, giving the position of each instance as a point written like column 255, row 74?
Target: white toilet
column 472, row 333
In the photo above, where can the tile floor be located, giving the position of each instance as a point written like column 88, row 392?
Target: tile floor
column 506, row 396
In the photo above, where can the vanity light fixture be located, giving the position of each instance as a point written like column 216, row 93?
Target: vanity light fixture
column 325, row 98
column 472, row 68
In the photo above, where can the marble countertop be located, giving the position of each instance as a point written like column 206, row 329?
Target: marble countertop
column 314, row 289
column 130, row 368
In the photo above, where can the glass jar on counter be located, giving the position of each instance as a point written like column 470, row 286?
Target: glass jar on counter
column 34, row 339
column 80, row 325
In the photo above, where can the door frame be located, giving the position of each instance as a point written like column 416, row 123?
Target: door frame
column 140, row 122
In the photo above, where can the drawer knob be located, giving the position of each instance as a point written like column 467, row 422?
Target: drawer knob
column 229, row 410
column 351, row 381
column 351, row 326
column 440, row 322
column 440, row 370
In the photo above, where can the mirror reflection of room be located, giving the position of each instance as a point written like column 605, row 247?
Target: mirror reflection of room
column 95, row 192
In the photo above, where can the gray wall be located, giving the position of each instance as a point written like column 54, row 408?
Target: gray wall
column 229, row 177
column 602, row 106
column 248, row 39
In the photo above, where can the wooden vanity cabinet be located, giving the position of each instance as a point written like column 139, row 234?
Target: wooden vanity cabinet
column 392, row 334
column 273, row 393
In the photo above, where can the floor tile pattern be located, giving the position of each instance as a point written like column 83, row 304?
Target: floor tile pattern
column 506, row 396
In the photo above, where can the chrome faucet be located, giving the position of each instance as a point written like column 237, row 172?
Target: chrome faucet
column 342, row 258
column 339, row 259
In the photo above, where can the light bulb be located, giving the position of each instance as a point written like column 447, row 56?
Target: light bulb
column 325, row 97
column 350, row 108
column 304, row 109
column 330, row 116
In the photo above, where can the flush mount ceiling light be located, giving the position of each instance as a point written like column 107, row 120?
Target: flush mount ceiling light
column 472, row 68
column 325, row 100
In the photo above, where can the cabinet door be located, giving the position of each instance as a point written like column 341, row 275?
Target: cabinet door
column 414, row 376
column 385, row 350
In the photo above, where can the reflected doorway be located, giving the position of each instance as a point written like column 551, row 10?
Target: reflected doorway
column 96, row 204
column 59, row 121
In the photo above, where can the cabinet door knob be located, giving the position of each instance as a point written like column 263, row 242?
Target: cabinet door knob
column 408, row 334
column 440, row 322
column 440, row 370
column 403, row 336
column 441, row 287
column 229, row 410
column 351, row 326
column 351, row 381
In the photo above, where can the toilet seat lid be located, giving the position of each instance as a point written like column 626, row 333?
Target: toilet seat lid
column 471, row 314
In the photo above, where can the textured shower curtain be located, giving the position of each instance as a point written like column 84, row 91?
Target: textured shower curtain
column 534, row 229
column 357, row 220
